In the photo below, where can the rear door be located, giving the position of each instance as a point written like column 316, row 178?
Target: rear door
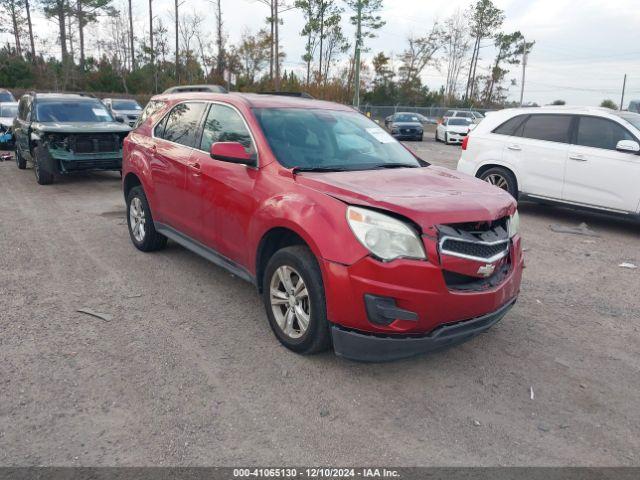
column 597, row 174
column 539, row 150
column 170, row 155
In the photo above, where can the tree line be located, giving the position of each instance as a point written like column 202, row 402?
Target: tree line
column 469, row 49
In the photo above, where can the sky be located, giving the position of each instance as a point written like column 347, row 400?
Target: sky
column 583, row 47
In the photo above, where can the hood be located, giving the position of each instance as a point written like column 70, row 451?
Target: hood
column 429, row 196
column 82, row 127
column 6, row 121
column 406, row 124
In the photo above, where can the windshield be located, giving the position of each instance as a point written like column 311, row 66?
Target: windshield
column 125, row 105
column 632, row 118
column 328, row 139
column 406, row 118
column 72, row 111
column 8, row 110
column 458, row 121
column 6, row 97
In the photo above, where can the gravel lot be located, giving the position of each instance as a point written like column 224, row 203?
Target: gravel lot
column 187, row 371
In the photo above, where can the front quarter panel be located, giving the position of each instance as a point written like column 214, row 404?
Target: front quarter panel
column 136, row 162
column 316, row 217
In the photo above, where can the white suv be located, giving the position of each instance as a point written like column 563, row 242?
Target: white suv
column 587, row 157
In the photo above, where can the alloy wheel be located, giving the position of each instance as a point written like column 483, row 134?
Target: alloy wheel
column 498, row 180
column 137, row 219
column 290, row 301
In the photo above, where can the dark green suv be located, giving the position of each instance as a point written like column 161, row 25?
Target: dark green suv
column 65, row 133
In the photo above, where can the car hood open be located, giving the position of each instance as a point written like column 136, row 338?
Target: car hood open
column 429, row 196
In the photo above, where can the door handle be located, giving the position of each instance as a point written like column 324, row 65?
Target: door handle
column 516, row 148
column 195, row 165
column 578, row 158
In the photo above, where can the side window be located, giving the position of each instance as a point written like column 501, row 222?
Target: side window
column 22, row 108
column 181, row 123
column 27, row 110
column 152, row 107
column 601, row 133
column 510, row 126
column 158, row 131
column 551, row 128
column 224, row 124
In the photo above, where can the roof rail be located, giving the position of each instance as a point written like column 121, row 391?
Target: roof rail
column 289, row 94
column 196, row 88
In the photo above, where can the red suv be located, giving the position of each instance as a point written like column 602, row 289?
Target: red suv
column 350, row 238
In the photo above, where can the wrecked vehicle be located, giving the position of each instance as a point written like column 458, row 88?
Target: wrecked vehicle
column 65, row 133
column 8, row 111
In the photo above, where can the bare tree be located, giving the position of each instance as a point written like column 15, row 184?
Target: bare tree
column 456, row 46
column 420, row 52
column 131, row 37
column 30, row 26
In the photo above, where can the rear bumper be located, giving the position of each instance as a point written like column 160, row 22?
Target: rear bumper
column 377, row 348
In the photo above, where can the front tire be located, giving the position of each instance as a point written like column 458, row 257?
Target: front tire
column 42, row 166
column 293, row 295
column 501, row 178
column 20, row 160
column 140, row 222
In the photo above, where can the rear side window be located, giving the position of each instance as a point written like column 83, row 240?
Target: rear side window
column 153, row 107
column 551, row 128
column 224, row 124
column 510, row 126
column 601, row 133
column 181, row 124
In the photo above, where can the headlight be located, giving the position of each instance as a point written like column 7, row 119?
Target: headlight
column 384, row 236
column 514, row 224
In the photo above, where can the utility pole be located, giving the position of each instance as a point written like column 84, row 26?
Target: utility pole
column 624, row 86
column 356, row 95
column 524, row 68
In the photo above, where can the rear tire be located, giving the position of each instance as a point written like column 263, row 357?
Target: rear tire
column 293, row 296
column 20, row 160
column 501, row 178
column 42, row 166
column 140, row 223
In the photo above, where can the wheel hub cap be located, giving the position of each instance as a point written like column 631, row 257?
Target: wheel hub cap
column 137, row 219
column 290, row 301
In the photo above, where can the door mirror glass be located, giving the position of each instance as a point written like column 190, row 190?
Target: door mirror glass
column 232, row 152
column 628, row 146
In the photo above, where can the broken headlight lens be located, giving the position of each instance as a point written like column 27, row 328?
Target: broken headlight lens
column 514, row 224
column 384, row 236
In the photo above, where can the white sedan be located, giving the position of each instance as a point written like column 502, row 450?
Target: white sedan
column 452, row 130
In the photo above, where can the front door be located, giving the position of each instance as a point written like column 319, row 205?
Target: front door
column 225, row 189
column 597, row 174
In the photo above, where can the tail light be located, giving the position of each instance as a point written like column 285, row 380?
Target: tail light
column 465, row 141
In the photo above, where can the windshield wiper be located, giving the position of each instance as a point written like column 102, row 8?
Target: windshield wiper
column 295, row 170
column 395, row 165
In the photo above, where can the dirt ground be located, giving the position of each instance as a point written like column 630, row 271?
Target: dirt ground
column 187, row 372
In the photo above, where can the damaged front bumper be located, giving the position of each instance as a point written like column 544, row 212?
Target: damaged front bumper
column 74, row 162
column 364, row 347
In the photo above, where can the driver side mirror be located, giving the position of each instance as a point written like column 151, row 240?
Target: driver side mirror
column 628, row 146
column 232, row 152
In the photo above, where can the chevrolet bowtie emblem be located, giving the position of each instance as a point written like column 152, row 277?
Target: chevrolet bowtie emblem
column 486, row 270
